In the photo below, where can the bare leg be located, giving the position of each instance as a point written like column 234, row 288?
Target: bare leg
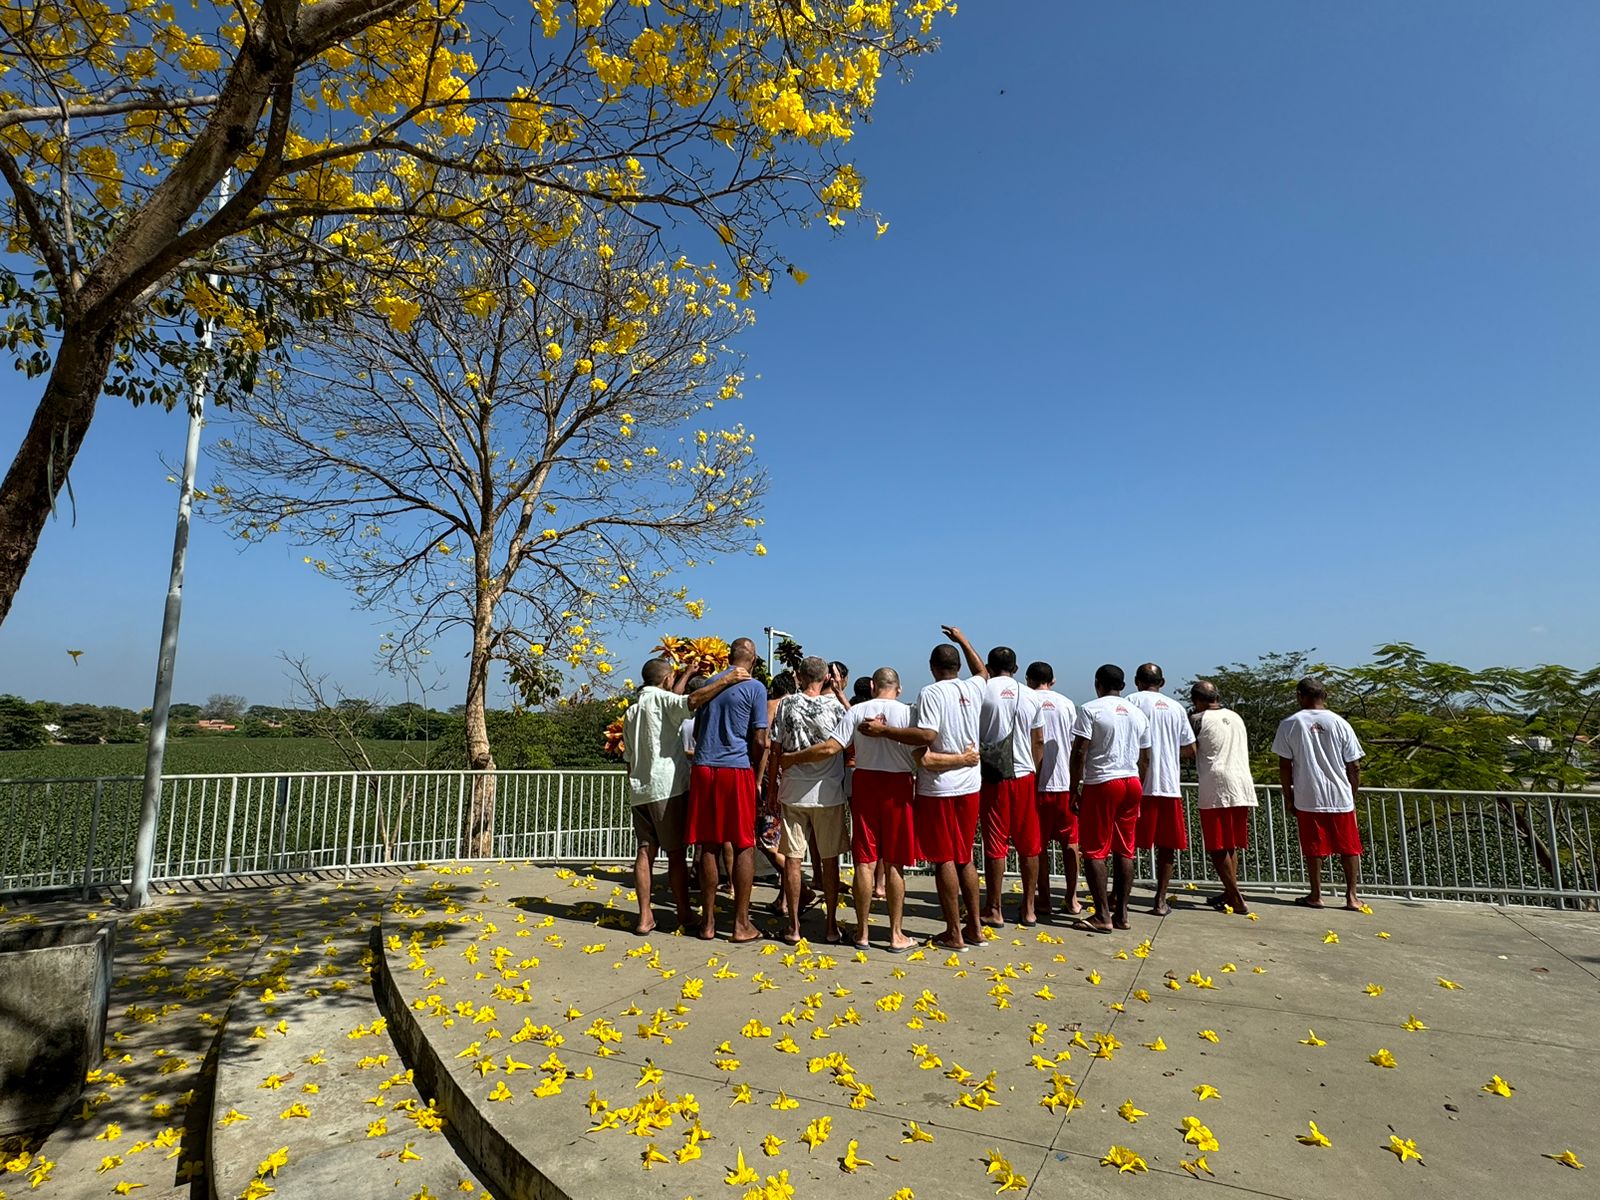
column 994, row 885
column 1352, row 876
column 830, row 897
column 1124, row 885
column 895, row 886
column 1314, row 870
column 1226, row 865
column 744, row 878
column 708, row 890
column 1030, row 885
column 1165, row 859
column 1069, row 871
column 1041, row 889
column 968, row 875
column 678, row 881
column 946, row 877
column 867, row 875
column 642, row 873
column 1094, row 871
column 727, row 866
column 793, row 873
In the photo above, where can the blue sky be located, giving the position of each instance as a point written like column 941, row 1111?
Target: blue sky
column 1201, row 331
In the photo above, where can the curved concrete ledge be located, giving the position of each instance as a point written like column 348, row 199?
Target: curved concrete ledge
column 550, row 1038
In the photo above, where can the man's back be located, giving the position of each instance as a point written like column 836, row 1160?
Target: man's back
column 1169, row 732
column 801, row 722
column 1320, row 743
column 1000, row 694
column 950, row 707
column 1058, row 713
column 1222, row 760
column 658, row 768
column 723, row 725
column 1025, row 718
column 877, row 753
column 1116, row 731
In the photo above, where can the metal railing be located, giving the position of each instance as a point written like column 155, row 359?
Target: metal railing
column 1501, row 847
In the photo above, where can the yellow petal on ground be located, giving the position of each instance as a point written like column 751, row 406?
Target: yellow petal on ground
column 1567, row 1159
column 1404, row 1149
column 1498, row 1087
column 1382, row 1058
column 1315, row 1138
column 1131, row 1113
column 1123, row 1159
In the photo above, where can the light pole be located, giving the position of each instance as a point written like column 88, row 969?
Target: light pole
column 773, row 634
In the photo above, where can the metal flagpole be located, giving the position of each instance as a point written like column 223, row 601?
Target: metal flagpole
column 150, row 808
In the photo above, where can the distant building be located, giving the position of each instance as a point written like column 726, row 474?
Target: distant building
column 213, row 725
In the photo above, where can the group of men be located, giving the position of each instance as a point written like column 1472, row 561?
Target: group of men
column 897, row 786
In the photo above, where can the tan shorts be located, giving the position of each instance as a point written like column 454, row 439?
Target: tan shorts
column 661, row 823
column 830, row 826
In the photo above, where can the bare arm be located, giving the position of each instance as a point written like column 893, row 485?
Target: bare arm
column 1144, row 762
column 820, row 752
column 1038, row 749
column 680, row 680
column 1186, row 751
column 974, row 663
column 914, row 736
column 758, row 744
column 932, row 760
column 1080, row 747
column 727, row 679
column 1352, row 772
column 1286, row 779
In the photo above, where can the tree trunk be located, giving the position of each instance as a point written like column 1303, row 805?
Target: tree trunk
column 477, row 839
column 48, row 450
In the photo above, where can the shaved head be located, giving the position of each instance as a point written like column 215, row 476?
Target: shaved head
column 1204, row 694
column 1149, row 676
column 945, row 661
column 656, row 672
column 741, row 652
column 885, row 679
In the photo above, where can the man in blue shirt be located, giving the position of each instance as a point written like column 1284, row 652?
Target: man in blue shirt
column 730, row 735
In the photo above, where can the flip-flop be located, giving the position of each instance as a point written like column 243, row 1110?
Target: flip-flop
column 1305, row 902
column 836, row 940
column 902, row 949
column 1083, row 926
column 1027, row 924
column 862, row 946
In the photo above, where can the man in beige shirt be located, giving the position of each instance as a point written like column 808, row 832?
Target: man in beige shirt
column 1227, row 789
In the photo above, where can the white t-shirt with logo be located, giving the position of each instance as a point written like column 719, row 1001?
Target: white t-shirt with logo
column 877, row 753
column 1000, row 695
column 1320, row 743
column 950, row 707
column 1056, row 715
column 1169, row 732
column 1025, row 718
column 1222, row 760
column 1117, row 731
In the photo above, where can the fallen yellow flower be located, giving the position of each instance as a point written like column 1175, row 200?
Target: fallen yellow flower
column 1567, row 1159
column 1403, row 1148
column 1498, row 1087
column 1382, row 1058
column 1315, row 1138
column 1123, row 1159
column 1131, row 1113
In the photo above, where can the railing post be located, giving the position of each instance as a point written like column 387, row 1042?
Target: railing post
column 1555, row 848
column 560, row 831
column 1405, row 849
column 227, row 837
column 350, row 841
column 94, row 830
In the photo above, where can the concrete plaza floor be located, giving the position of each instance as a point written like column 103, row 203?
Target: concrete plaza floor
column 504, row 1033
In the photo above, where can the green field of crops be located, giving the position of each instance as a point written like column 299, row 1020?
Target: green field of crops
column 204, row 755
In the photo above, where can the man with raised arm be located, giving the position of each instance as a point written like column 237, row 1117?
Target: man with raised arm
column 1110, row 750
column 1057, row 822
column 658, row 778
column 1008, row 810
column 1319, row 765
column 730, row 735
column 810, row 796
column 945, row 810
column 1161, row 817
column 1227, row 789
column 882, row 841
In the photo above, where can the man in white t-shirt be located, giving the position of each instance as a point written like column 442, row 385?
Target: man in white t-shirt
column 658, row 779
column 1008, row 811
column 1227, row 789
column 811, row 797
column 945, row 810
column 1161, row 818
column 882, row 841
column 1319, row 765
column 1057, row 822
column 1110, row 750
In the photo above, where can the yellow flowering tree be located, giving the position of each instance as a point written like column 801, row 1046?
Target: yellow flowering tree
column 532, row 457
column 348, row 127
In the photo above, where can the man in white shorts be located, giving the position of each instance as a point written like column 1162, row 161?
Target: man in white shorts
column 882, row 841
column 1319, row 766
column 1227, row 789
column 1161, row 818
column 811, row 796
column 1057, row 822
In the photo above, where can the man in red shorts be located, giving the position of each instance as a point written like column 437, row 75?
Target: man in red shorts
column 1110, row 750
column 1161, row 820
column 1319, row 765
column 1057, row 822
column 882, row 841
column 1227, row 789
column 730, row 734
column 945, row 810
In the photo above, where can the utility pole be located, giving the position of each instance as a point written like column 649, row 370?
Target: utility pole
column 150, row 807
column 772, row 636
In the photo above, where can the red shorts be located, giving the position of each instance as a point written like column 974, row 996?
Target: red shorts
column 1010, row 817
column 1225, row 828
column 1109, row 817
column 1057, row 821
column 1326, row 833
column 1161, row 823
column 722, row 806
column 880, row 810
column 945, row 827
